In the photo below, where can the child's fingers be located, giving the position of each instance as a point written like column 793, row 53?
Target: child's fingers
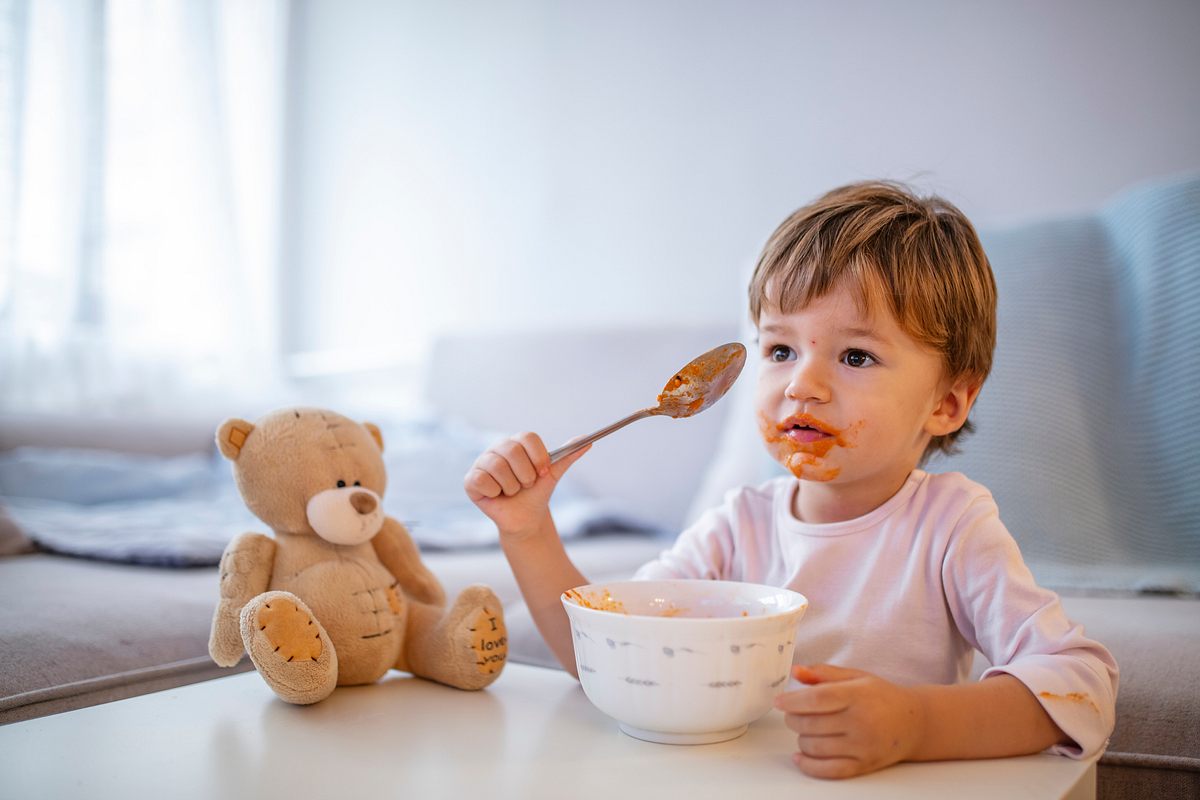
column 813, row 700
column 824, row 747
column 497, row 467
column 479, row 485
column 824, row 673
column 519, row 461
column 816, row 724
column 539, row 457
column 512, row 465
column 827, row 767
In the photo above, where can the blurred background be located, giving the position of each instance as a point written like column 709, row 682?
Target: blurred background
column 232, row 204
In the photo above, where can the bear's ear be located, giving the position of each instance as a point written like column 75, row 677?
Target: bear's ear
column 232, row 435
column 375, row 434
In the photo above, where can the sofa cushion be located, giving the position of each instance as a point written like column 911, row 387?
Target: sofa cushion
column 1088, row 428
column 584, row 379
column 1156, row 642
column 1155, row 747
column 75, row 632
column 13, row 540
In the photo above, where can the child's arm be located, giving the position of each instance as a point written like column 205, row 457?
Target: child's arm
column 849, row 722
column 511, row 483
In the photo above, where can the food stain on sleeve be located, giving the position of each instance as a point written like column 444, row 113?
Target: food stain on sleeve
column 1071, row 697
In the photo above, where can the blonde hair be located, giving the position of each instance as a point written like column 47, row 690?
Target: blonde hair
column 918, row 257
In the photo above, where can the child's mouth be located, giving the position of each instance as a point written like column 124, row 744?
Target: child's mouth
column 802, row 442
column 805, row 433
column 806, row 428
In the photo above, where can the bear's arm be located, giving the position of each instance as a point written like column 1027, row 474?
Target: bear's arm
column 246, row 567
column 399, row 554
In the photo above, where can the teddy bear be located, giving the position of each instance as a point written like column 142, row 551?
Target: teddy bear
column 338, row 595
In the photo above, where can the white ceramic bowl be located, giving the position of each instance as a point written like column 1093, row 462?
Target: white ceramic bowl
column 683, row 662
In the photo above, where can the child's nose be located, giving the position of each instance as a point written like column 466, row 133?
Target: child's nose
column 809, row 383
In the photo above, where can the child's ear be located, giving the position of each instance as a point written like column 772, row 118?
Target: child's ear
column 953, row 407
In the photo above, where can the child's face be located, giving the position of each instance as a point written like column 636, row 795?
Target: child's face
column 847, row 398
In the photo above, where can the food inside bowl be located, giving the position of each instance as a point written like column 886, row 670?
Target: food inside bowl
column 606, row 602
column 603, row 600
column 595, row 600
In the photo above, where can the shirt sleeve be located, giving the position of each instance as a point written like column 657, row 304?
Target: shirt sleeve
column 1023, row 631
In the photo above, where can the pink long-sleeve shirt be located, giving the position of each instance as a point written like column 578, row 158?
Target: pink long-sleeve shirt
column 908, row 591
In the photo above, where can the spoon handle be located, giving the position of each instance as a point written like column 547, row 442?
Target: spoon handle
column 575, row 444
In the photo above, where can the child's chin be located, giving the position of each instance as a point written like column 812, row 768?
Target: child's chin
column 808, row 468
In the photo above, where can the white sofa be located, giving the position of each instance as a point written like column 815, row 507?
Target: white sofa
column 75, row 632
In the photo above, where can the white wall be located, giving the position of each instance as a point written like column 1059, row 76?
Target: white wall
column 526, row 164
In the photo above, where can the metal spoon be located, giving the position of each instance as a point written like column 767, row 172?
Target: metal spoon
column 702, row 382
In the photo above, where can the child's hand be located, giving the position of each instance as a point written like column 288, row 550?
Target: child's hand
column 512, row 482
column 849, row 722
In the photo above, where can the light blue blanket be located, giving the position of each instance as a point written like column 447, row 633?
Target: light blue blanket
column 182, row 511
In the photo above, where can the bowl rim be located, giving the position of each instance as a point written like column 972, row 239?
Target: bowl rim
column 568, row 604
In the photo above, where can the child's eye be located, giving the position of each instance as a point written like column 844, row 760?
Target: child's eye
column 858, row 358
column 779, row 352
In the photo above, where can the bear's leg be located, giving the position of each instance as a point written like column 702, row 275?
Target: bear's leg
column 465, row 646
column 289, row 647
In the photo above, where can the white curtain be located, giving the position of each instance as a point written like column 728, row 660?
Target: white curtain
column 140, row 172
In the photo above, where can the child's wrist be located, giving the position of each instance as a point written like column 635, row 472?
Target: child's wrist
column 534, row 530
column 919, row 730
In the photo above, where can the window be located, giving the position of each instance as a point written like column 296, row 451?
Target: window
column 141, row 150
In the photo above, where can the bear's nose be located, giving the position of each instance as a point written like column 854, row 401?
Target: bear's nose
column 363, row 503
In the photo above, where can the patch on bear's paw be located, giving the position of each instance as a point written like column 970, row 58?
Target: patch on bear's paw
column 489, row 641
column 290, row 631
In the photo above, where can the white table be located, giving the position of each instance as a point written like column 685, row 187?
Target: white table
column 532, row 734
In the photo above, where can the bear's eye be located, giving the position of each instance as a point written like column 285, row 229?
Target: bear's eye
column 358, row 483
column 341, row 484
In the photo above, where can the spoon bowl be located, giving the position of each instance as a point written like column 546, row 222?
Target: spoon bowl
column 701, row 382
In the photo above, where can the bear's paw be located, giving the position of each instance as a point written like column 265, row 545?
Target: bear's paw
column 290, row 631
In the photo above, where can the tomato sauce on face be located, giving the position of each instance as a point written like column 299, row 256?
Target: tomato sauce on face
column 805, row 458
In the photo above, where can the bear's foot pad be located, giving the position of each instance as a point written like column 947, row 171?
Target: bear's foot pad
column 290, row 631
column 489, row 640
